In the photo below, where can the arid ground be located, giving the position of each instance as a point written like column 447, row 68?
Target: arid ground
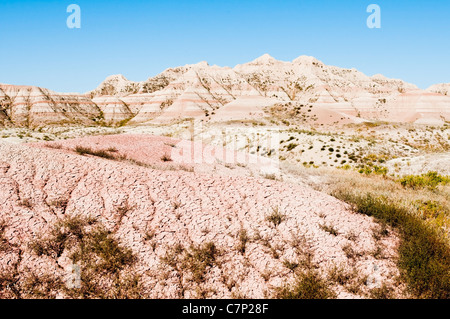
column 269, row 180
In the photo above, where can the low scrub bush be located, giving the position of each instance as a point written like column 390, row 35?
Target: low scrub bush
column 243, row 240
column 291, row 146
column 430, row 180
column 100, row 256
column 166, row 158
column 329, row 229
column 308, row 285
column 424, row 257
column 378, row 170
column 275, row 217
column 108, row 153
column 195, row 261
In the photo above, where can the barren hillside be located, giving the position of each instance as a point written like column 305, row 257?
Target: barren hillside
column 322, row 94
column 180, row 233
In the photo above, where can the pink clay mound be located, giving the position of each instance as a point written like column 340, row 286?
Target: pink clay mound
column 252, row 232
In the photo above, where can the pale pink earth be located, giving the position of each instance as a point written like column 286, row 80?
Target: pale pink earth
column 213, row 208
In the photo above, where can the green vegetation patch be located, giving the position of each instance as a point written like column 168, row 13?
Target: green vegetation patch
column 430, row 180
column 424, row 257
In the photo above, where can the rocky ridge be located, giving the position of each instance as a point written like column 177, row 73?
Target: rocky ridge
column 245, row 92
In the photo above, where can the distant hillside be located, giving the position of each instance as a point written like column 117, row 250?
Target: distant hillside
column 305, row 89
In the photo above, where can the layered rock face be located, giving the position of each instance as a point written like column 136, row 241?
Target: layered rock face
column 33, row 107
column 113, row 109
column 245, row 92
column 441, row 88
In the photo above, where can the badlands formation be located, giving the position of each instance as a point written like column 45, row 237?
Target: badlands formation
column 216, row 182
column 247, row 91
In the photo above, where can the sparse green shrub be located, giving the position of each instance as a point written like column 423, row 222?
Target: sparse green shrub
column 34, row 286
column 383, row 292
column 378, row 170
column 338, row 275
column 291, row 265
column 101, row 258
column 430, row 209
column 101, row 246
column 308, row 285
column 99, row 153
column 291, row 146
column 329, row 229
column 276, row 217
column 26, row 202
column 430, row 180
column 166, row 158
column 176, row 204
column 365, row 170
column 54, row 146
column 270, row 176
column 196, row 260
column 424, row 257
column 433, row 212
column 243, row 240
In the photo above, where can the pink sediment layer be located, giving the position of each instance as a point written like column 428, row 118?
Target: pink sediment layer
column 212, row 209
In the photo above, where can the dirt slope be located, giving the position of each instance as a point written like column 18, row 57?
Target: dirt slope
column 155, row 212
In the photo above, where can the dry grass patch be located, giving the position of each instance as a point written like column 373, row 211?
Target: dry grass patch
column 329, row 229
column 276, row 217
column 424, row 256
column 243, row 240
column 308, row 285
column 420, row 215
column 432, row 205
column 194, row 261
column 103, row 153
column 166, row 158
column 106, row 266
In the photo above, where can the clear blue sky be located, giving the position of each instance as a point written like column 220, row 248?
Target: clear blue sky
column 140, row 39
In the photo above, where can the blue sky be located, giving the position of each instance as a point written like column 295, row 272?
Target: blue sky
column 140, row 38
